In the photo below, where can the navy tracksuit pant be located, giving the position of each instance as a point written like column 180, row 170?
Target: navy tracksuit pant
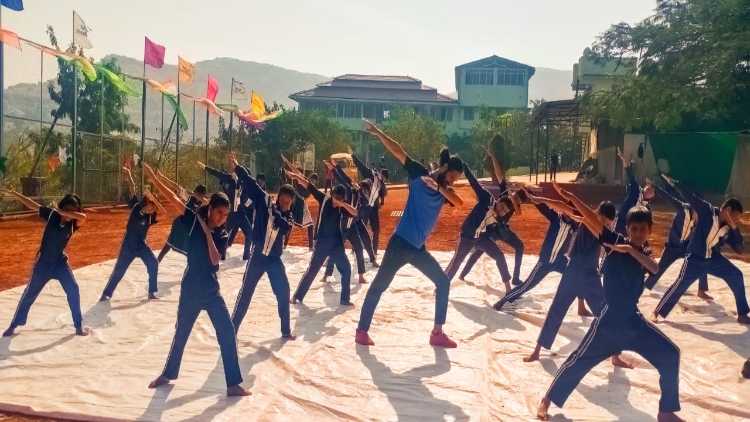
column 399, row 253
column 332, row 248
column 126, row 257
column 505, row 236
column 235, row 222
column 695, row 267
column 605, row 338
column 188, row 309
column 353, row 237
column 542, row 268
column 256, row 267
column 41, row 274
column 575, row 282
column 668, row 257
column 483, row 244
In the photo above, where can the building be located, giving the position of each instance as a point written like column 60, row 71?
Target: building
column 493, row 82
column 593, row 75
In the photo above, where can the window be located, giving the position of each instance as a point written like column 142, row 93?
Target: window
column 349, row 110
column 469, row 113
column 442, row 114
column 373, row 111
column 511, row 77
column 480, row 77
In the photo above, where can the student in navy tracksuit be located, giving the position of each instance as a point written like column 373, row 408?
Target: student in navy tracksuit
column 237, row 216
column 51, row 260
column 329, row 242
column 581, row 278
column 142, row 216
column 352, row 227
column 177, row 235
column 679, row 237
column 714, row 228
column 485, row 213
column 427, row 194
column 376, row 192
column 273, row 222
column 552, row 256
column 301, row 215
column 621, row 326
column 200, row 285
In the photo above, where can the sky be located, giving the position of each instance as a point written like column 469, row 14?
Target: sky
column 421, row 38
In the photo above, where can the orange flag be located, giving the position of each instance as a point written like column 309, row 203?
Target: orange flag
column 10, row 38
column 53, row 162
column 185, row 70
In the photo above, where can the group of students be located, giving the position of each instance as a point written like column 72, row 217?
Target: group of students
column 602, row 253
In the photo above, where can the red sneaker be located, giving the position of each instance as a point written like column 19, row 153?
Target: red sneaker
column 361, row 337
column 440, row 339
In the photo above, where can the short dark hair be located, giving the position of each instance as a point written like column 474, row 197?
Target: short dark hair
column 200, row 189
column 746, row 369
column 734, row 204
column 639, row 214
column 261, row 176
column 287, row 189
column 218, row 199
column 314, row 176
column 70, row 199
column 452, row 162
column 339, row 191
column 607, row 209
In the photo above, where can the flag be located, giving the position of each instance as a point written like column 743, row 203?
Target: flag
column 172, row 100
column 16, row 5
column 167, row 87
column 232, row 108
column 53, row 162
column 153, row 54
column 62, row 153
column 238, row 87
column 257, row 105
column 185, row 70
column 86, row 67
column 10, row 38
column 81, row 32
column 116, row 81
column 212, row 89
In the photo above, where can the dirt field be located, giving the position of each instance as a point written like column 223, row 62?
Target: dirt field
column 100, row 239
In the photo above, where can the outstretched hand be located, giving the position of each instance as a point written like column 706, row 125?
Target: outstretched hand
column 201, row 164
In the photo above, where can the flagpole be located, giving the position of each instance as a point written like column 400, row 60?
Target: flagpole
column 205, row 172
column 2, row 87
column 177, row 133
column 231, row 115
column 143, row 124
column 75, row 111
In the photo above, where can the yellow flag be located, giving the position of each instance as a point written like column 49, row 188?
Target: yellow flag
column 185, row 70
column 257, row 106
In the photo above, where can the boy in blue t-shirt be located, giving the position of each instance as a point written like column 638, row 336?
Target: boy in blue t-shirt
column 427, row 194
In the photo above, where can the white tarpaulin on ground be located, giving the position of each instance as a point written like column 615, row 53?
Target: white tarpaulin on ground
column 323, row 376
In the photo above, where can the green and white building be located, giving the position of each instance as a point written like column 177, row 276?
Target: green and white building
column 492, row 82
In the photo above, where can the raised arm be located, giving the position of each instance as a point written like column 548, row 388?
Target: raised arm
column 669, row 195
column 497, row 168
column 175, row 203
column 222, row 176
column 364, row 171
column 341, row 204
column 646, row 261
column 304, row 181
column 257, row 194
column 389, row 143
column 151, row 197
column 482, row 194
column 590, row 217
column 173, row 186
column 129, row 180
column 24, row 200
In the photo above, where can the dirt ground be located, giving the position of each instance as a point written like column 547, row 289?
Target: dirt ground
column 100, row 238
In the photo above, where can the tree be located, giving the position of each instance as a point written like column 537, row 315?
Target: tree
column 692, row 68
column 421, row 136
column 513, row 126
column 89, row 99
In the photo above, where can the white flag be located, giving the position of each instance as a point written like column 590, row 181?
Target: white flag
column 62, row 153
column 81, row 32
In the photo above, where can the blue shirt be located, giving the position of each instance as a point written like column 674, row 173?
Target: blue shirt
column 482, row 215
column 559, row 233
column 329, row 217
column 422, row 206
column 55, row 238
column 710, row 233
column 138, row 225
column 585, row 251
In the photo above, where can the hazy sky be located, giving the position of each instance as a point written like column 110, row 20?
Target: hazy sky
column 421, row 38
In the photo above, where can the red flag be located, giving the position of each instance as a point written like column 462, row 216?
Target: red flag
column 153, row 54
column 213, row 88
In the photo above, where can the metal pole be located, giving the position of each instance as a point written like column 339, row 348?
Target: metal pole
column 101, row 136
column 536, row 160
column 177, row 134
column 75, row 114
column 546, row 152
column 2, row 87
column 161, row 131
column 231, row 116
column 143, row 126
column 41, row 94
column 193, row 122
column 205, row 172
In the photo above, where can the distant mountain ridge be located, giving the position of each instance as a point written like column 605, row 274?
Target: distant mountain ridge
column 275, row 83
